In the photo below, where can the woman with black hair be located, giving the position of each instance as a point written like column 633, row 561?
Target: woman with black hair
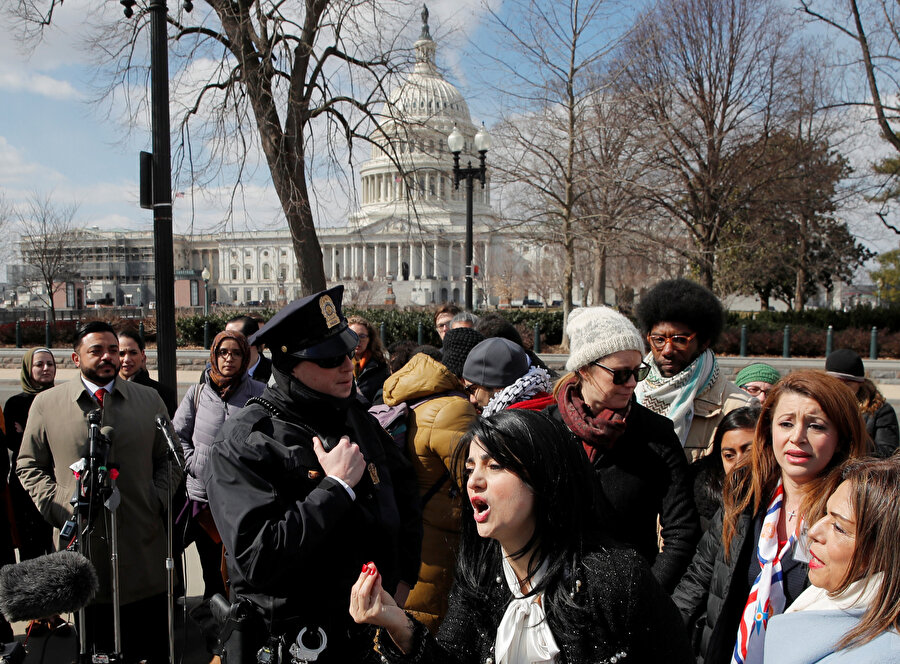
column 534, row 583
column 733, row 441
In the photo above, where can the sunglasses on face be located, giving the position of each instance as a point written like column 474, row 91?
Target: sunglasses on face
column 678, row 341
column 621, row 376
column 333, row 362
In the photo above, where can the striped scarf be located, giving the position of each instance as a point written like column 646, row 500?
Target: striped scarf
column 766, row 597
column 673, row 397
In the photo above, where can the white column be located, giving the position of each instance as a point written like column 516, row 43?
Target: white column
column 424, row 260
column 345, row 272
column 450, row 274
column 365, row 262
column 412, row 268
column 434, row 261
column 331, row 251
column 398, row 274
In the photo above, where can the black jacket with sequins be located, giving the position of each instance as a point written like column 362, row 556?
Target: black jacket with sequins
column 632, row 620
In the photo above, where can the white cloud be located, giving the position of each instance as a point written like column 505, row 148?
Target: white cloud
column 39, row 84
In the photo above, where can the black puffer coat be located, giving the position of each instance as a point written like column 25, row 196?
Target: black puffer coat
column 714, row 591
column 295, row 540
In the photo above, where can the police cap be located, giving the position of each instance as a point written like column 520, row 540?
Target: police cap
column 311, row 328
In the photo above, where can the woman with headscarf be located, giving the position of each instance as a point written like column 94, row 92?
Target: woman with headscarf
column 223, row 390
column 32, row 534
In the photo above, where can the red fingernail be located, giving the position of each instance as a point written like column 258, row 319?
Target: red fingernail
column 373, row 571
column 370, row 563
column 365, row 568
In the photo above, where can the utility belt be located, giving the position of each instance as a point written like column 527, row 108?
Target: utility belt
column 245, row 637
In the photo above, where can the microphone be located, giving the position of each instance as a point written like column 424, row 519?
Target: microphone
column 168, row 432
column 61, row 582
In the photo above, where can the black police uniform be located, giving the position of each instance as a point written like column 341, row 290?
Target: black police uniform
column 295, row 540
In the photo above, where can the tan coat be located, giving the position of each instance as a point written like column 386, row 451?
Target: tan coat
column 709, row 409
column 434, row 429
column 56, row 436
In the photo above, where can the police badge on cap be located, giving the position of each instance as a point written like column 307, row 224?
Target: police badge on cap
column 311, row 328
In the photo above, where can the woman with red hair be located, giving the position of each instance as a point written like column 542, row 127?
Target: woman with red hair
column 751, row 563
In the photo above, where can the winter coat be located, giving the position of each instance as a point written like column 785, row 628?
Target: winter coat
column 825, row 629
column 882, row 429
column 198, row 426
column 434, row 428
column 645, row 476
column 709, row 409
column 168, row 395
column 631, row 620
column 56, row 436
column 713, row 593
column 295, row 539
column 370, row 380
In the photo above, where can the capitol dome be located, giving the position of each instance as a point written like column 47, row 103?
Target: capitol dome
column 425, row 95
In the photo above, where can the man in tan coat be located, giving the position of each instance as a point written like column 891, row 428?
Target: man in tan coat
column 56, row 436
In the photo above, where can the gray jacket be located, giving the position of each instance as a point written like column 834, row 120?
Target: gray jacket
column 198, row 425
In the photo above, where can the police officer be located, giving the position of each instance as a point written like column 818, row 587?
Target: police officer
column 306, row 488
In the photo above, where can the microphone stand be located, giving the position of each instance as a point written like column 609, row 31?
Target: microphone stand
column 98, row 488
column 171, row 458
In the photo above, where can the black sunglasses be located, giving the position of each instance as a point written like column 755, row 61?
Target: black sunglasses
column 621, row 376
column 332, row 362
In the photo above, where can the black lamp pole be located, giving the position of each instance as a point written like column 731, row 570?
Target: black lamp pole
column 469, row 173
column 164, row 262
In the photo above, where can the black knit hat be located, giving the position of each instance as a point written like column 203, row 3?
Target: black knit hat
column 457, row 344
column 845, row 364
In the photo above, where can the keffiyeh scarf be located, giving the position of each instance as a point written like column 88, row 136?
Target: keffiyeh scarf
column 536, row 380
column 674, row 397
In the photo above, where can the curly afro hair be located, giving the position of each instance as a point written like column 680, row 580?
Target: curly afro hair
column 682, row 301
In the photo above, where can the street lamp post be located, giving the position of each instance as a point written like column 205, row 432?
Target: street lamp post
column 205, row 276
column 456, row 141
column 164, row 261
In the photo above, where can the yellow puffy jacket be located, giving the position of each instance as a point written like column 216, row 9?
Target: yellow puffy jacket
column 433, row 431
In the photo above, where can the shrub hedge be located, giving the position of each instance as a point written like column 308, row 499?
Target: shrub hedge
column 765, row 329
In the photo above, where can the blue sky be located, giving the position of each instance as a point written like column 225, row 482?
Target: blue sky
column 53, row 140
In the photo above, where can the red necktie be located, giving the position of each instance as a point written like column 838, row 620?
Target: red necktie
column 99, row 394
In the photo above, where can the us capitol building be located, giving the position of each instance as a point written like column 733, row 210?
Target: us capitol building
column 405, row 245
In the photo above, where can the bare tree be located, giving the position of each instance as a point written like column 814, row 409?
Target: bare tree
column 49, row 244
column 705, row 79
column 300, row 83
column 874, row 26
column 549, row 87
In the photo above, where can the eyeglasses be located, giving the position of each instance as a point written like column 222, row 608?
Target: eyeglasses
column 471, row 389
column 332, row 362
column 621, row 376
column 754, row 391
column 678, row 341
column 227, row 352
column 362, row 336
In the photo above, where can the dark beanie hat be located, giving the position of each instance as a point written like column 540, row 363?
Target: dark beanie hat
column 846, row 364
column 496, row 362
column 457, row 344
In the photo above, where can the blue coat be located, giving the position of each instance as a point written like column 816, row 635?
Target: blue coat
column 820, row 631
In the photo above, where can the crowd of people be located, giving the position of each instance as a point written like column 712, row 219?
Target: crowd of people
column 464, row 503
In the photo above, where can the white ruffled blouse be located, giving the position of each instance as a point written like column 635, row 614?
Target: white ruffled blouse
column 524, row 637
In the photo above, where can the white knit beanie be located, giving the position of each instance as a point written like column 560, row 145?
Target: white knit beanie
column 596, row 332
